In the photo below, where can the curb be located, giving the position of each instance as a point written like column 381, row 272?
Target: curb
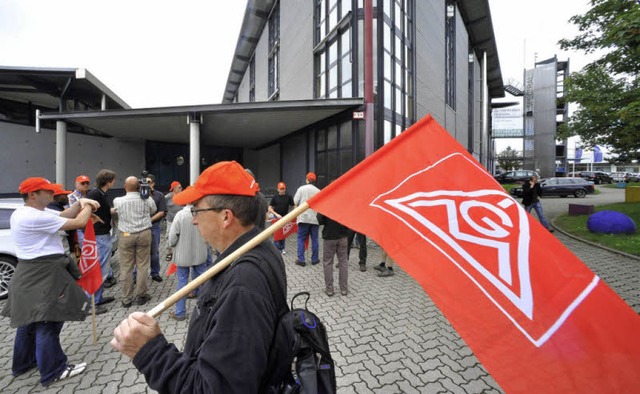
column 597, row 245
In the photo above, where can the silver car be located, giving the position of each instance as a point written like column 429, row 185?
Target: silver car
column 8, row 259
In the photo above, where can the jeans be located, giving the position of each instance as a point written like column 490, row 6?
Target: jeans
column 279, row 245
column 183, row 279
column 39, row 343
column 104, row 253
column 155, row 249
column 305, row 229
column 538, row 207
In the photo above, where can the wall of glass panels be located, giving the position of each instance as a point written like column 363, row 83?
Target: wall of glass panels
column 274, row 52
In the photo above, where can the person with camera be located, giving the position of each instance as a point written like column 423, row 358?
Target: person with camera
column 156, row 220
column 134, row 241
column 531, row 194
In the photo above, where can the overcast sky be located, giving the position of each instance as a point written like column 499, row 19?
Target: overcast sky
column 161, row 53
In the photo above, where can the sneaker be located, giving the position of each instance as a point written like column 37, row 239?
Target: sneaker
column 142, row 299
column 172, row 314
column 387, row 272
column 551, row 229
column 157, row 278
column 300, row 263
column 380, row 267
column 105, row 300
column 363, row 267
column 315, row 262
column 283, row 252
column 126, row 304
column 71, row 371
column 328, row 292
column 99, row 310
column 344, row 292
column 169, row 257
column 109, row 282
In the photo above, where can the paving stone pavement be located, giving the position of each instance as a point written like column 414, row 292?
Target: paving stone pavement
column 386, row 335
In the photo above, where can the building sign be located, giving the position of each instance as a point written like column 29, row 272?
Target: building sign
column 507, row 122
column 358, row 115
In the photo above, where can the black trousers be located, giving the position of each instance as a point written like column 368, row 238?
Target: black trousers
column 362, row 240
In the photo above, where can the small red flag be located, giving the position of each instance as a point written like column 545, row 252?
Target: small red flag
column 538, row 319
column 89, row 265
column 284, row 232
column 173, row 268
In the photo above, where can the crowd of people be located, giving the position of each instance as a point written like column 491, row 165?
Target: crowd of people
column 209, row 220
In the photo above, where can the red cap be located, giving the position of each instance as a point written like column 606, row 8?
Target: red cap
column 34, row 184
column 174, row 184
column 82, row 178
column 311, row 177
column 225, row 177
column 281, row 185
column 60, row 190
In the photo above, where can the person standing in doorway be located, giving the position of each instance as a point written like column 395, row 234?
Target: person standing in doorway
column 279, row 207
column 156, row 220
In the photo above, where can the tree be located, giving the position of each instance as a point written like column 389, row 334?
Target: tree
column 509, row 159
column 608, row 89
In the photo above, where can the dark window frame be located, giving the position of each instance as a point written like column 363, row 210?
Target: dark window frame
column 274, row 53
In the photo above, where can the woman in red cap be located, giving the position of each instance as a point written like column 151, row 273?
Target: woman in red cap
column 172, row 210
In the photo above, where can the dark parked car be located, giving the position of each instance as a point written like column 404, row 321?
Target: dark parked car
column 596, row 177
column 519, row 176
column 562, row 187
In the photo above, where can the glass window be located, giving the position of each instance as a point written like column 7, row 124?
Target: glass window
column 346, row 161
column 333, row 53
column 346, row 69
column 333, row 77
column 5, row 218
column 387, row 131
column 346, row 7
column 347, row 90
column 332, row 165
column 387, row 95
column 345, row 135
column 332, row 138
column 320, row 140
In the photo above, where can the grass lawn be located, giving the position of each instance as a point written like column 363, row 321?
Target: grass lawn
column 577, row 225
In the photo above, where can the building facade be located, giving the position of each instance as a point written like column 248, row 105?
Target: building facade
column 433, row 57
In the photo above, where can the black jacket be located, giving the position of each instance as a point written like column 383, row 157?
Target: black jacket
column 229, row 335
column 531, row 195
column 332, row 229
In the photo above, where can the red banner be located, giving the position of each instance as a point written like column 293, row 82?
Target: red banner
column 89, row 265
column 284, row 232
column 534, row 315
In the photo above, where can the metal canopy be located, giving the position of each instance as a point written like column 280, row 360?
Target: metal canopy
column 248, row 125
column 44, row 87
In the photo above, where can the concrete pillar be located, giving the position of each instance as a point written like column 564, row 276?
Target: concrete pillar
column 194, row 148
column 61, row 151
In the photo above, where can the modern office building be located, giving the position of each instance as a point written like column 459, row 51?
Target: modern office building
column 313, row 86
column 406, row 58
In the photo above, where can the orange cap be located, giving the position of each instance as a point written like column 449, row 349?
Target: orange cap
column 281, row 185
column 35, row 183
column 82, row 178
column 60, row 190
column 225, row 177
column 311, row 177
column 173, row 185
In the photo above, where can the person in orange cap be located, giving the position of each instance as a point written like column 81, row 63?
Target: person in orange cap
column 279, row 207
column 83, row 184
column 307, row 221
column 37, row 306
column 231, row 330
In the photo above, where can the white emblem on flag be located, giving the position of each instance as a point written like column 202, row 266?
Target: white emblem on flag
column 489, row 227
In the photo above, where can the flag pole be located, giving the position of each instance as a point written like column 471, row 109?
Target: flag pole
column 93, row 318
column 213, row 271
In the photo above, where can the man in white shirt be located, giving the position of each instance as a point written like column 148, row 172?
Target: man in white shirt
column 307, row 221
column 134, row 241
column 36, row 305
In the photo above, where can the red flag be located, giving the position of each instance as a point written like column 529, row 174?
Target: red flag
column 284, row 232
column 173, row 268
column 91, row 279
column 534, row 315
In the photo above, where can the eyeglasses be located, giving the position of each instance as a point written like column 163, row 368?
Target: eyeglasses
column 194, row 211
column 85, row 183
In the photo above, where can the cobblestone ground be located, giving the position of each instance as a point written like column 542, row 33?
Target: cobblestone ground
column 386, row 336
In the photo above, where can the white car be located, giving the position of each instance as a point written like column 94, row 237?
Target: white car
column 8, row 259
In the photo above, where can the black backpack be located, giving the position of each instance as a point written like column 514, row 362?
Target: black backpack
column 299, row 357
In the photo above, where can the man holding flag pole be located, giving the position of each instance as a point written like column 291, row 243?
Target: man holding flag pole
column 536, row 317
column 42, row 293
